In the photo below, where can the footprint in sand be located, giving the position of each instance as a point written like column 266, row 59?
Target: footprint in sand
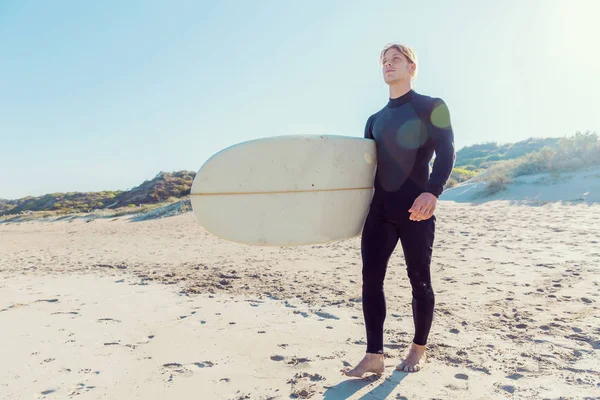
column 108, row 320
column 304, row 314
column 12, row 306
column 204, row 364
column 47, row 392
column 312, row 377
column 508, row 388
column 303, row 385
column 66, row 312
column 587, row 339
column 145, row 340
column 176, row 369
column 326, row 315
column 80, row 388
column 295, row 361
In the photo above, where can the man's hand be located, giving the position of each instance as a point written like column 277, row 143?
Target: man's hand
column 423, row 207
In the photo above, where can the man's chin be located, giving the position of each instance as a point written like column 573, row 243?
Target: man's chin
column 390, row 80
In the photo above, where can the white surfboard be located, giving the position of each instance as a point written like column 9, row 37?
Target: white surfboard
column 286, row 190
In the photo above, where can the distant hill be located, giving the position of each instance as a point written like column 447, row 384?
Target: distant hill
column 477, row 160
column 163, row 187
column 481, row 156
column 578, row 153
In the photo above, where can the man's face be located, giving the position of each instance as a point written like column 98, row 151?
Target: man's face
column 396, row 67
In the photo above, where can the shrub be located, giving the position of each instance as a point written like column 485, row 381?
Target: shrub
column 451, row 182
column 496, row 183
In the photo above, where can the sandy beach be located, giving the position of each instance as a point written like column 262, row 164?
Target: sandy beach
column 161, row 309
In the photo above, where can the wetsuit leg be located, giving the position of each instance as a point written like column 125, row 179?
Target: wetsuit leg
column 417, row 242
column 379, row 238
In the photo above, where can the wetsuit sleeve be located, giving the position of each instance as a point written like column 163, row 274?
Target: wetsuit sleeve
column 440, row 131
column 369, row 128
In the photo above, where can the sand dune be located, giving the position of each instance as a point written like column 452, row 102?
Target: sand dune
column 574, row 187
column 160, row 309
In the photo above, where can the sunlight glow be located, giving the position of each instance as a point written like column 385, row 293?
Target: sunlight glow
column 580, row 32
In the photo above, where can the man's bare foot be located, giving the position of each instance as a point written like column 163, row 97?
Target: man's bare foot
column 371, row 362
column 412, row 362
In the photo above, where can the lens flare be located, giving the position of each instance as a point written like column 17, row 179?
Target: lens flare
column 411, row 134
column 440, row 116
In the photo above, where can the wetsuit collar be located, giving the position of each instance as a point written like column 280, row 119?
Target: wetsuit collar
column 405, row 98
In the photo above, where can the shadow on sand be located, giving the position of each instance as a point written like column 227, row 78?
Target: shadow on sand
column 349, row 387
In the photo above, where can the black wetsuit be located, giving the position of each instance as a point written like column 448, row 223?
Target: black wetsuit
column 407, row 131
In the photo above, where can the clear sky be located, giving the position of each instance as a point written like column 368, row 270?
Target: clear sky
column 104, row 95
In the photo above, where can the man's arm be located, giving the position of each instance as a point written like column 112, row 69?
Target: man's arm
column 440, row 131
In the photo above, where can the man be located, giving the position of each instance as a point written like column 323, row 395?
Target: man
column 406, row 131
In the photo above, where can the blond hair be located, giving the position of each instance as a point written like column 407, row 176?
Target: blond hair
column 405, row 51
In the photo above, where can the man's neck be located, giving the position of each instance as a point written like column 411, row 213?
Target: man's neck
column 399, row 89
